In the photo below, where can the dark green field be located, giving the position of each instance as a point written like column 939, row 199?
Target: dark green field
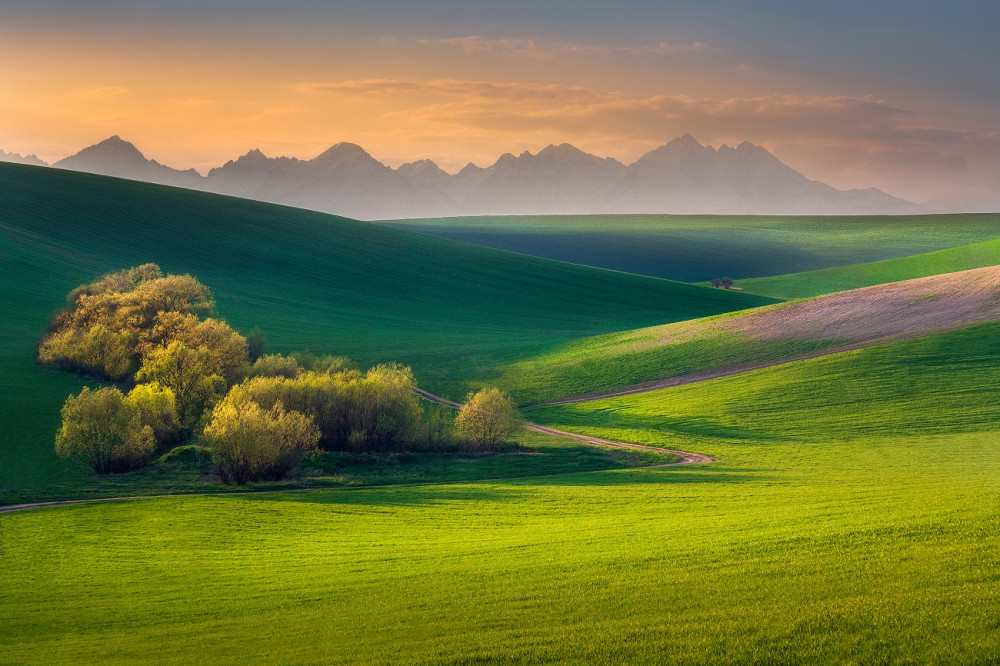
column 697, row 248
column 309, row 280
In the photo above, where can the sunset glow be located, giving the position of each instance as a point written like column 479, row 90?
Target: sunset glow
column 826, row 91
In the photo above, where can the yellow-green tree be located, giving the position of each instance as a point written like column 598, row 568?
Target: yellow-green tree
column 250, row 443
column 188, row 374
column 158, row 410
column 104, row 430
column 487, row 417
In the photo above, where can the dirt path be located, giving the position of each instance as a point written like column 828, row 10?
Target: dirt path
column 686, row 457
column 728, row 370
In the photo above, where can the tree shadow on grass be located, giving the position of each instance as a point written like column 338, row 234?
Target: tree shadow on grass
column 514, row 488
column 389, row 496
column 689, row 426
column 666, row 476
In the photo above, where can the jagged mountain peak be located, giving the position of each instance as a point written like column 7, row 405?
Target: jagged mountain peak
column 344, row 151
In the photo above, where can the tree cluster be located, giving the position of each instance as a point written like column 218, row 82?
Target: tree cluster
column 191, row 377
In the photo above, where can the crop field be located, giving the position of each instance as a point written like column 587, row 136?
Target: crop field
column 852, row 517
column 311, row 281
column 738, row 341
column 827, row 281
column 697, row 248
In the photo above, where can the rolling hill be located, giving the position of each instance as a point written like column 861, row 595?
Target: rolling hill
column 309, row 280
column 698, row 248
column 827, row 281
column 678, row 353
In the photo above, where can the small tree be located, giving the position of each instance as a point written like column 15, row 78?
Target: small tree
column 717, row 282
column 158, row 410
column 104, row 430
column 727, row 283
column 487, row 417
column 253, row 444
column 256, row 343
column 275, row 365
column 187, row 373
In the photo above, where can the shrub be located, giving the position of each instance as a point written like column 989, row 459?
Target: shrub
column 377, row 410
column 188, row 374
column 112, row 322
column 158, row 410
column 275, row 365
column 256, row 343
column 250, row 443
column 97, row 350
column 387, row 411
column 105, row 431
column 486, row 418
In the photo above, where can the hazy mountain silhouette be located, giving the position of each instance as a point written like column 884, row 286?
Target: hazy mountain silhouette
column 117, row 157
column 686, row 177
column 21, row 159
column 682, row 176
column 344, row 180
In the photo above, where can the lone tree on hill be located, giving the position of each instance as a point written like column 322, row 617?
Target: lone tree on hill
column 722, row 283
column 487, row 417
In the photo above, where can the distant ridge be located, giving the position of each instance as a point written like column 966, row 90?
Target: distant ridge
column 21, row 159
column 681, row 177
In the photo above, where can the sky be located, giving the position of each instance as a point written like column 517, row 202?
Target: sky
column 903, row 96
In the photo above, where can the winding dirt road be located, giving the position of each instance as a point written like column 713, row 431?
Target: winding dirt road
column 686, row 457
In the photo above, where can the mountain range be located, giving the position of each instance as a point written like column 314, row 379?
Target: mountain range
column 682, row 176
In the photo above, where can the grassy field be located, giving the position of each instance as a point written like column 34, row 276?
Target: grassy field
column 695, row 248
column 853, row 517
column 829, row 280
column 188, row 469
column 309, row 280
column 738, row 341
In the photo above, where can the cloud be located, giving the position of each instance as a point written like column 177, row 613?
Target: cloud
column 472, row 92
column 103, row 92
column 477, row 44
column 529, row 47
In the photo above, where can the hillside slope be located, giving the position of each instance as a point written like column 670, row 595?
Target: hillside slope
column 855, row 276
column 309, row 280
column 732, row 343
column 697, row 248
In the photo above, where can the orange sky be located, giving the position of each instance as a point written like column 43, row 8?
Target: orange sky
column 188, row 95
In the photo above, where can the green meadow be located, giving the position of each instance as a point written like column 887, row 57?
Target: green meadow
column 697, row 248
column 826, row 281
column 852, row 517
column 311, row 281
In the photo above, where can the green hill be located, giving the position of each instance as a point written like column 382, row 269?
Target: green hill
column 852, row 518
column 309, row 280
column 737, row 341
column 829, row 280
column 697, row 248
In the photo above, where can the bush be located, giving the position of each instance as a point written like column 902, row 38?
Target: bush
column 253, row 444
column 158, row 410
column 486, row 418
column 105, row 431
column 188, row 374
column 256, row 343
column 112, row 322
column 377, row 410
column 275, row 365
